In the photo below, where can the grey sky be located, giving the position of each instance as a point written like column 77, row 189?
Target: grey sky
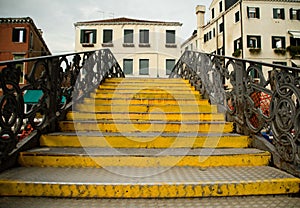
column 56, row 17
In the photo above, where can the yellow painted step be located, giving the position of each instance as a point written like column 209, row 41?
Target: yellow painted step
column 146, row 90
column 108, row 157
column 145, row 101
column 119, row 183
column 153, row 126
column 146, row 96
column 140, row 87
column 146, row 116
column 145, row 80
column 145, row 141
column 148, row 108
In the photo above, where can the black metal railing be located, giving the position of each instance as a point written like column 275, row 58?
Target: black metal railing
column 57, row 81
column 260, row 98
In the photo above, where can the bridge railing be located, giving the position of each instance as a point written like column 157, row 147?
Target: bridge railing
column 55, row 83
column 260, row 98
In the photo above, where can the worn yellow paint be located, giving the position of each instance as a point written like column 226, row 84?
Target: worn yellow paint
column 145, row 96
column 147, row 90
column 140, row 86
column 145, row 101
column 146, row 116
column 164, row 190
column 61, row 160
column 147, row 80
column 147, row 127
column 145, row 142
column 148, row 108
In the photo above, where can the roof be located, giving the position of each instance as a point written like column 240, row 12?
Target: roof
column 24, row 20
column 125, row 20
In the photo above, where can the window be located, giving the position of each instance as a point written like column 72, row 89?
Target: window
column 280, row 63
column 221, row 51
column 237, row 44
column 209, row 35
column 278, row 13
column 221, row 27
column 253, row 41
column 88, row 36
column 170, row 63
column 221, row 6
column 253, row 12
column 128, row 36
column 170, row 36
column 19, row 35
column 128, row 66
column 237, row 16
column 107, row 37
column 214, row 32
column 20, row 66
column 294, row 14
column 144, row 38
column 144, row 67
column 255, row 73
column 294, row 41
column 278, row 42
column 213, row 13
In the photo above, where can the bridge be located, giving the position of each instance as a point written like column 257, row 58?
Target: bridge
column 210, row 134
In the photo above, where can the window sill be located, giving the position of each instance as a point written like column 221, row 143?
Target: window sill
column 144, row 45
column 128, row 45
column 87, row 45
column 171, row 45
column 107, row 45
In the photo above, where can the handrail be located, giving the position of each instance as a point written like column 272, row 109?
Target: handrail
column 260, row 98
column 60, row 82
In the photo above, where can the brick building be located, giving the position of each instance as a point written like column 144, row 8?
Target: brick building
column 20, row 38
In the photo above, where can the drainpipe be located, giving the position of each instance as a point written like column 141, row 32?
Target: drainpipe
column 242, row 33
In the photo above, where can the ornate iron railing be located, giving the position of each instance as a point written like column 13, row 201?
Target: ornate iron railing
column 258, row 97
column 60, row 80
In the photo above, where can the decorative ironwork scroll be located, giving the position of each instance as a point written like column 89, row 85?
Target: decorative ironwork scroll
column 258, row 97
column 60, row 80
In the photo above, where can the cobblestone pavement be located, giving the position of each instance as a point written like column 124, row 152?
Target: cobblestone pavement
column 217, row 202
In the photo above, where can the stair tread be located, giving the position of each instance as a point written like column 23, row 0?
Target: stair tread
column 147, row 175
column 143, row 152
column 145, row 134
column 129, row 121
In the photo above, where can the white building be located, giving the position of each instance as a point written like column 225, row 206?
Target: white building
column 143, row 48
column 261, row 30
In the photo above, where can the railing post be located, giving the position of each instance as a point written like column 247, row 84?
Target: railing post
column 52, row 99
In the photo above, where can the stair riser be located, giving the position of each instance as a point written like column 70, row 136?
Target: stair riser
column 122, row 127
column 146, row 117
column 36, row 160
column 139, row 87
column 144, row 108
column 146, row 96
column 166, row 190
column 157, row 102
column 128, row 91
column 142, row 142
column 147, row 80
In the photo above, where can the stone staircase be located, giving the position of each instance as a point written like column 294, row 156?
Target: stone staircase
column 145, row 138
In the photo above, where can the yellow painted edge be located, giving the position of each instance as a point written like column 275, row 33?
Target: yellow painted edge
column 140, row 127
column 36, row 160
column 164, row 190
column 146, row 117
column 136, row 142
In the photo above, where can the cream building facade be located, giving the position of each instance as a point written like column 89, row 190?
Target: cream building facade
column 143, row 48
column 261, row 30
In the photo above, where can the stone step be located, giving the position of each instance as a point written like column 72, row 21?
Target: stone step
column 118, row 140
column 132, row 182
column 148, row 108
column 146, row 126
column 162, row 95
column 158, row 102
column 152, row 116
column 142, row 157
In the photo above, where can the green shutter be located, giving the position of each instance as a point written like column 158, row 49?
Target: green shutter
column 258, row 42
column 94, row 36
column 257, row 13
column 81, row 36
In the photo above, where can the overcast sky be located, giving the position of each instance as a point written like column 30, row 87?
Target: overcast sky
column 57, row 17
